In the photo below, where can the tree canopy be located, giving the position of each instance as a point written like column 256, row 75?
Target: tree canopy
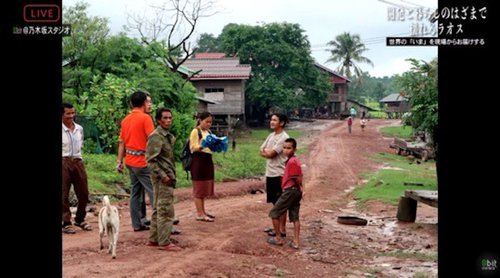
column 100, row 72
column 420, row 87
column 372, row 88
column 208, row 43
column 283, row 72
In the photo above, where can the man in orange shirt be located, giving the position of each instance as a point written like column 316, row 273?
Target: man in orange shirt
column 135, row 129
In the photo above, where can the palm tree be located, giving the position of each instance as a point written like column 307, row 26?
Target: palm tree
column 348, row 49
column 429, row 69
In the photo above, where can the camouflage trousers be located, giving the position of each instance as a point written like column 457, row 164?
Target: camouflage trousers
column 163, row 213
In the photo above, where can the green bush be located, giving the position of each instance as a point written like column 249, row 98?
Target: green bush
column 90, row 146
column 244, row 162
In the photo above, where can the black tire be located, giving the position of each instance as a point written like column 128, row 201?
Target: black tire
column 352, row 220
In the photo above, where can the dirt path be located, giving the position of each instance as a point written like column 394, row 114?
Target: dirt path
column 235, row 244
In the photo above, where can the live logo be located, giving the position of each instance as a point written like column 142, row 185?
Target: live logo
column 42, row 13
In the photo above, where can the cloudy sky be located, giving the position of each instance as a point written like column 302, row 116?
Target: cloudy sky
column 322, row 20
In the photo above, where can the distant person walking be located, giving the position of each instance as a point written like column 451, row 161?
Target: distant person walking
column 353, row 112
column 349, row 124
column 363, row 123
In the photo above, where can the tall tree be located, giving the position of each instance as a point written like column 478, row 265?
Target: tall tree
column 420, row 87
column 128, row 58
column 283, row 72
column 208, row 43
column 171, row 27
column 348, row 49
column 379, row 91
column 109, row 69
column 83, row 47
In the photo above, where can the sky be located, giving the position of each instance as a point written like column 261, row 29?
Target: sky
column 322, row 21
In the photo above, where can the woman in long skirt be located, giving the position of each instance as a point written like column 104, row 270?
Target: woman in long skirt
column 202, row 167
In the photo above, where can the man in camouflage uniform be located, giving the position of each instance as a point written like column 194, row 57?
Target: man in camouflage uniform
column 160, row 159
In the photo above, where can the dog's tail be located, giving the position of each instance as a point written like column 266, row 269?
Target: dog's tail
column 107, row 204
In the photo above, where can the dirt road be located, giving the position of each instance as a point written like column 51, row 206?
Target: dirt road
column 235, row 244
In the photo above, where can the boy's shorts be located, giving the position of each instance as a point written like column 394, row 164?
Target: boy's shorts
column 273, row 189
column 289, row 200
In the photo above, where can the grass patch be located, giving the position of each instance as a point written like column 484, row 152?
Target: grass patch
column 378, row 115
column 244, row 162
column 259, row 135
column 421, row 256
column 401, row 131
column 374, row 270
column 387, row 185
column 102, row 176
column 421, row 274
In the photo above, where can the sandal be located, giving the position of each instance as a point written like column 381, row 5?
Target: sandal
column 68, row 230
column 293, row 245
column 204, row 219
column 210, row 215
column 267, row 230
column 84, row 225
column 175, row 231
column 170, row 247
column 152, row 243
column 273, row 233
column 274, row 241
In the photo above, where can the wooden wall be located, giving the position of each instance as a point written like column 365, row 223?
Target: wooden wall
column 232, row 101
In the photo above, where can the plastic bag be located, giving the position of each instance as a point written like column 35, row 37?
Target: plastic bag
column 215, row 143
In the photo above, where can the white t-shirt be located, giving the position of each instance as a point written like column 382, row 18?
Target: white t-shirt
column 275, row 167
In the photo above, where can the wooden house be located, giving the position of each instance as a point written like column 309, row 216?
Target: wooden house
column 203, row 104
column 220, row 80
column 395, row 105
column 337, row 98
column 362, row 111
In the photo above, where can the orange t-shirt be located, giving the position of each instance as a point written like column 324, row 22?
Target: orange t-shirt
column 135, row 129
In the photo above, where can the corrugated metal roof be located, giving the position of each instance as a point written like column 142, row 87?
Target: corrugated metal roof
column 223, row 68
column 182, row 69
column 206, row 100
column 361, row 104
column 393, row 98
column 332, row 72
column 185, row 70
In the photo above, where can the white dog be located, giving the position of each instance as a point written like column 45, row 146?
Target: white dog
column 109, row 223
